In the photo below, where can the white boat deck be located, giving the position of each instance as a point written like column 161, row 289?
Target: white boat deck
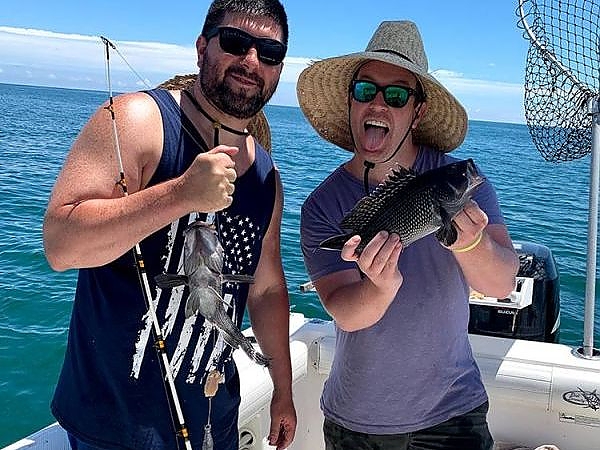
column 540, row 394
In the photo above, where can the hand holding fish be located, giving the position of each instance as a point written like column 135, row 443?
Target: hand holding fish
column 379, row 259
column 470, row 223
column 207, row 185
column 359, row 300
column 484, row 252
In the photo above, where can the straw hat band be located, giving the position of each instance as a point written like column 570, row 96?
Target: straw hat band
column 395, row 53
column 402, row 38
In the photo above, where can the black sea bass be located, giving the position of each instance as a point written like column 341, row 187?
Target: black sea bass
column 412, row 206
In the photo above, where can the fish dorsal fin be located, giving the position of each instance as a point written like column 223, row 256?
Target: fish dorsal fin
column 395, row 181
column 368, row 207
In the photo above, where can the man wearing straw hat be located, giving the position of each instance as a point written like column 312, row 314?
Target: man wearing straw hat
column 403, row 376
column 185, row 154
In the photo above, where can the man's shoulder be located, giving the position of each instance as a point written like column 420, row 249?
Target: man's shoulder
column 135, row 97
column 333, row 183
column 136, row 107
column 431, row 159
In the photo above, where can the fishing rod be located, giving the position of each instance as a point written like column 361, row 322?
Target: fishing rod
column 181, row 429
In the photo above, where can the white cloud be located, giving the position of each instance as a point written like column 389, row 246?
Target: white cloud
column 485, row 99
column 443, row 73
column 133, row 65
column 65, row 55
column 42, row 33
column 292, row 67
column 78, row 61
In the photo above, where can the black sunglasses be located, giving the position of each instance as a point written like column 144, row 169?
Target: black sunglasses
column 394, row 95
column 238, row 43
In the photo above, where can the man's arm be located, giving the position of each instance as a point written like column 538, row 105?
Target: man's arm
column 354, row 302
column 490, row 267
column 89, row 222
column 269, row 310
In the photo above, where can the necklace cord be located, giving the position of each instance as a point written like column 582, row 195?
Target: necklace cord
column 216, row 124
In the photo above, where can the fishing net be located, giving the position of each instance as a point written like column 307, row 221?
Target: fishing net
column 562, row 74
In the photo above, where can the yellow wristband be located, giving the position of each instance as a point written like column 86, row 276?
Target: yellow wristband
column 471, row 246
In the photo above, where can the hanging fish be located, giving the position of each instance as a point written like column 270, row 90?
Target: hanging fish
column 412, row 206
column 202, row 267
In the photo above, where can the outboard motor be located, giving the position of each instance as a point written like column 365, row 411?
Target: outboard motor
column 532, row 310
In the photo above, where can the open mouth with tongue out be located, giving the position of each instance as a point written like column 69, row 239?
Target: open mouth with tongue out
column 375, row 133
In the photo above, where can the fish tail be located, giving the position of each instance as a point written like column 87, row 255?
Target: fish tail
column 228, row 277
column 447, row 233
column 168, row 280
column 235, row 339
column 231, row 333
column 335, row 242
column 255, row 355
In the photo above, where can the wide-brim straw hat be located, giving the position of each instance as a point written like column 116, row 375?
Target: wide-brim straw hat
column 323, row 90
column 258, row 125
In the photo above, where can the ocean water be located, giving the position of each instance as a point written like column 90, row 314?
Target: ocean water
column 543, row 202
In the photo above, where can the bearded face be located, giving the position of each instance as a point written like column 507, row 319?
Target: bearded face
column 221, row 89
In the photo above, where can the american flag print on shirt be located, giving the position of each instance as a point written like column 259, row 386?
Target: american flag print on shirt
column 199, row 347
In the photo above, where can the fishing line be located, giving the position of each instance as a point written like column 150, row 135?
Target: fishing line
column 215, row 332
column 180, row 429
column 201, row 145
column 217, row 126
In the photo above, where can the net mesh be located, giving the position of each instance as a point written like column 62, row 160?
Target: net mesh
column 562, row 74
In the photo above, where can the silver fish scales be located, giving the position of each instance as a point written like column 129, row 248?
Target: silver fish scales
column 412, row 206
column 203, row 274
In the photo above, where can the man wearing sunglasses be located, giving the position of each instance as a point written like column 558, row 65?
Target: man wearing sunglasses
column 187, row 155
column 403, row 376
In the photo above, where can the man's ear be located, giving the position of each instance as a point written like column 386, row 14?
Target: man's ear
column 201, row 44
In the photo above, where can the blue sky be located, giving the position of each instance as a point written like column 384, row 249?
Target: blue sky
column 474, row 48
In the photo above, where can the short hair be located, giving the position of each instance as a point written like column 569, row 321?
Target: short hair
column 273, row 9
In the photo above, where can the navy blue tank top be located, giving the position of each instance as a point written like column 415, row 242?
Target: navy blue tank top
column 110, row 392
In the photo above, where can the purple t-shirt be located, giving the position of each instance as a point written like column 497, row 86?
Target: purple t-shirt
column 414, row 368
